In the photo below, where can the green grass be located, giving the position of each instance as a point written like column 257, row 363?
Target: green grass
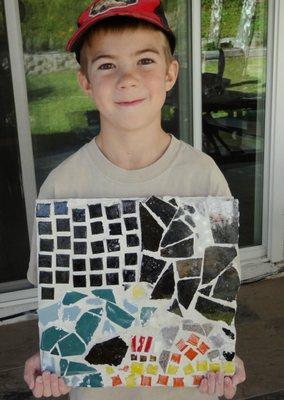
column 56, row 103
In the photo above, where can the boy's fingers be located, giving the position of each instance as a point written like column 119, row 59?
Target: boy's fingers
column 211, row 383
column 220, row 384
column 38, row 388
column 46, row 384
column 229, row 389
column 54, row 385
column 203, row 387
column 62, row 387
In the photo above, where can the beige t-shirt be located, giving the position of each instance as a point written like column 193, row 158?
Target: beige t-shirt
column 180, row 171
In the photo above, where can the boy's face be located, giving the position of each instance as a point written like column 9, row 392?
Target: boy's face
column 126, row 73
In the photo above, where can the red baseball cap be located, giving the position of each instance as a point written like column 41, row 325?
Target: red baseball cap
column 148, row 10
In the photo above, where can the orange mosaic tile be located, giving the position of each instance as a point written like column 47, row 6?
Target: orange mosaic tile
column 181, row 345
column 176, row 358
column 197, row 379
column 146, row 380
column 116, row 381
column 191, row 354
column 193, row 339
column 203, row 348
column 178, row 382
column 163, row 380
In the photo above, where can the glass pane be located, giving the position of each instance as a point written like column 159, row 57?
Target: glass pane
column 62, row 118
column 234, row 41
column 14, row 244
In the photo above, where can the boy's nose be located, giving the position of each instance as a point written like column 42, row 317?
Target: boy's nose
column 127, row 79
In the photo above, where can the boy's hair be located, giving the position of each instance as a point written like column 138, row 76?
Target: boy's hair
column 118, row 24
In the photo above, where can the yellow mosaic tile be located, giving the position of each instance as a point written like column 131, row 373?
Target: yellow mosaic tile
column 214, row 367
column 188, row 369
column 130, row 381
column 152, row 369
column 202, row 366
column 229, row 367
column 137, row 368
column 138, row 291
column 172, row 369
column 109, row 370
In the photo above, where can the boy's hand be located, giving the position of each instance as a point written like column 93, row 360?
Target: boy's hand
column 43, row 384
column 216, row 383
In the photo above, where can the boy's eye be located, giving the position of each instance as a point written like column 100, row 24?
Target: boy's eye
column 104, row 65
column 147, row 59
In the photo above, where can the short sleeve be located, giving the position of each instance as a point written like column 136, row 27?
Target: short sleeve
column 46, row 192
column 218, row 184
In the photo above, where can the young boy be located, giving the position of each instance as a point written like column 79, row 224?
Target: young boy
column 125, row 49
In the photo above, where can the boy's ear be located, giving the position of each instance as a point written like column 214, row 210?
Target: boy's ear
column 84, row 82
column 172, row 74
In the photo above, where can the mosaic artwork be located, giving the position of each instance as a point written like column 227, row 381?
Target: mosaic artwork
column 137, row 292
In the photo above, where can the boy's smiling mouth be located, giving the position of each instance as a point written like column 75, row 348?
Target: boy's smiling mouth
column 130, row 103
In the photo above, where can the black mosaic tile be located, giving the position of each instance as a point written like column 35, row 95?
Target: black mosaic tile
column 115, row 229
column 97, row 228
column 44, row 228
column 229, row 356
column 227, row 285
column 165, row 286
column 228, row 333
column 189, row 268
column 214, row 311
column 79, row 264
column 130, row 259
column 47, row 293
column 190, row 221
column 186, row 290
column 132, row 240
column 63, row 225
column 129, row 275
column 216, row 259
column 162, row 209
column 43, row 210
column 96, row 280
column 79, row 215
column 173, row 202
column 45, row 277
column 112, row 262
column 151, row 231
column 175, row 308
column 151, row 268
column 60, row 208
column 130, row 223
column 128, row 207
column 63, row 260
column 112, row 279
column 113, row 212
column 80, row 232
column 46, row 245
column 133, row 357
column 79, row 280
column 110, row 352
column 206, row 290
column 177, row 231
column 179, row 250
column 179, row 213
column 80, row 248
column 64, row 242
column 189, row 209
column 96, row 264
column 98, row 247
column 44, row 261
column 62, row 277
column 113, row 245
column 143, row 358
column 95, row 210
